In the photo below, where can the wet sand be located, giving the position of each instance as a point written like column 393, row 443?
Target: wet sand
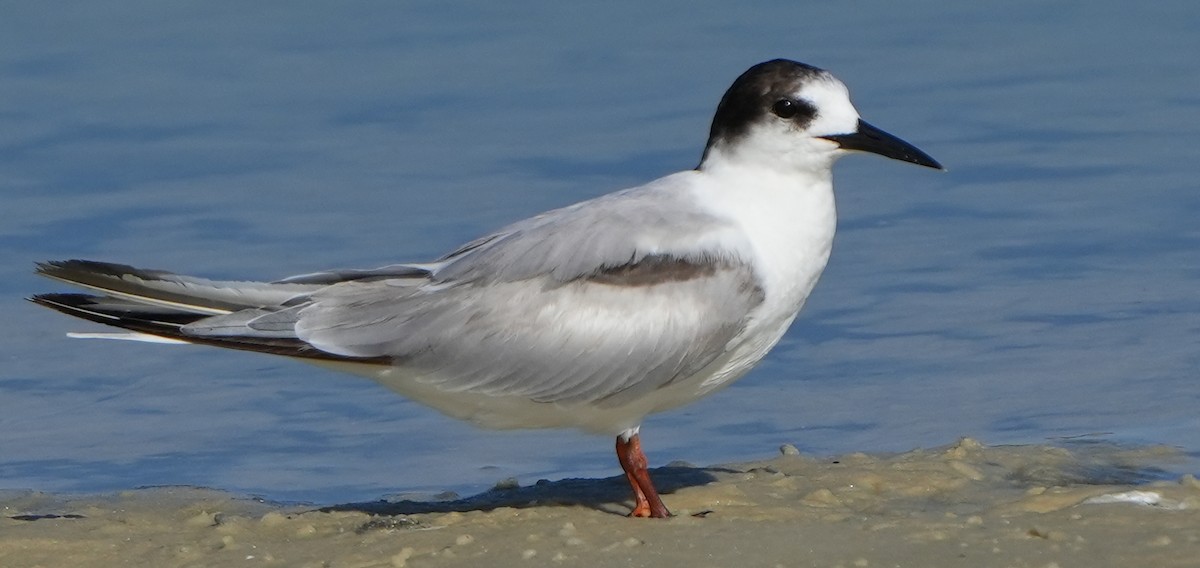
column 960, row 505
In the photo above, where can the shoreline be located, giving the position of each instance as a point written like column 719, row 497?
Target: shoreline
column 965, row 504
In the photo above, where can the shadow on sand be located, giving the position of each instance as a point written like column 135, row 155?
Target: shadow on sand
column 611, row 495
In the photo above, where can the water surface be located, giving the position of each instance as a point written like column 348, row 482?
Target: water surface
column 1044, row 288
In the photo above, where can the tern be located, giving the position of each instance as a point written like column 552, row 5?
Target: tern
column 591, row 316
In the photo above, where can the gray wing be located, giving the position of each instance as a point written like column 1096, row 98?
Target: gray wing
column 597, row 302
column 605, row 337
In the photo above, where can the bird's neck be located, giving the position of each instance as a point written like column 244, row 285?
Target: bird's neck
column 788, row 218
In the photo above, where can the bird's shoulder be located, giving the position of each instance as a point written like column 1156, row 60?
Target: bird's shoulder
column 659, row 228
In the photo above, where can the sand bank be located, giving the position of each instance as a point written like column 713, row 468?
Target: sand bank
column 960, row 505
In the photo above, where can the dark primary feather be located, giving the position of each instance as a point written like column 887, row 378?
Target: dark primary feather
column 168, row 323
column 203, row 295
column 328, row 277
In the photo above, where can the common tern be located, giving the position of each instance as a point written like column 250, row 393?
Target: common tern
column 591, row 316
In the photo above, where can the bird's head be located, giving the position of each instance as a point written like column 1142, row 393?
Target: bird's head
column 790, row 115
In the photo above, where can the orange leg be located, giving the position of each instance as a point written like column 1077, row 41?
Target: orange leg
column 633, row 461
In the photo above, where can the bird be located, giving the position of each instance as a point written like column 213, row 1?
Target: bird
column 592, row 316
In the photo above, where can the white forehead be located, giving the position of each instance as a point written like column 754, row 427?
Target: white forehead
column 835, row 113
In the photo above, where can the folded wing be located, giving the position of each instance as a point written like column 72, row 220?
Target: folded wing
column 597, row 302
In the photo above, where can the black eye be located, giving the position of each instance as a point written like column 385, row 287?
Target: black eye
column 785, row 108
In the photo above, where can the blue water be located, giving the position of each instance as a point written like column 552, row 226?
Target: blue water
column 1045, row 287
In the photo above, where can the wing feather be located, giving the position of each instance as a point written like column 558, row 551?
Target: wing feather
column 600, row 302
column 608, row 337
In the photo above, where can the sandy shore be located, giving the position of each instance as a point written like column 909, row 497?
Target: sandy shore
column 961, row 505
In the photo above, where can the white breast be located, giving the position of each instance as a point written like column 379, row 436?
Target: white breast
column 789, row 222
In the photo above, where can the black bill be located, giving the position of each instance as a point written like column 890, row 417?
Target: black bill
column 873, row 140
